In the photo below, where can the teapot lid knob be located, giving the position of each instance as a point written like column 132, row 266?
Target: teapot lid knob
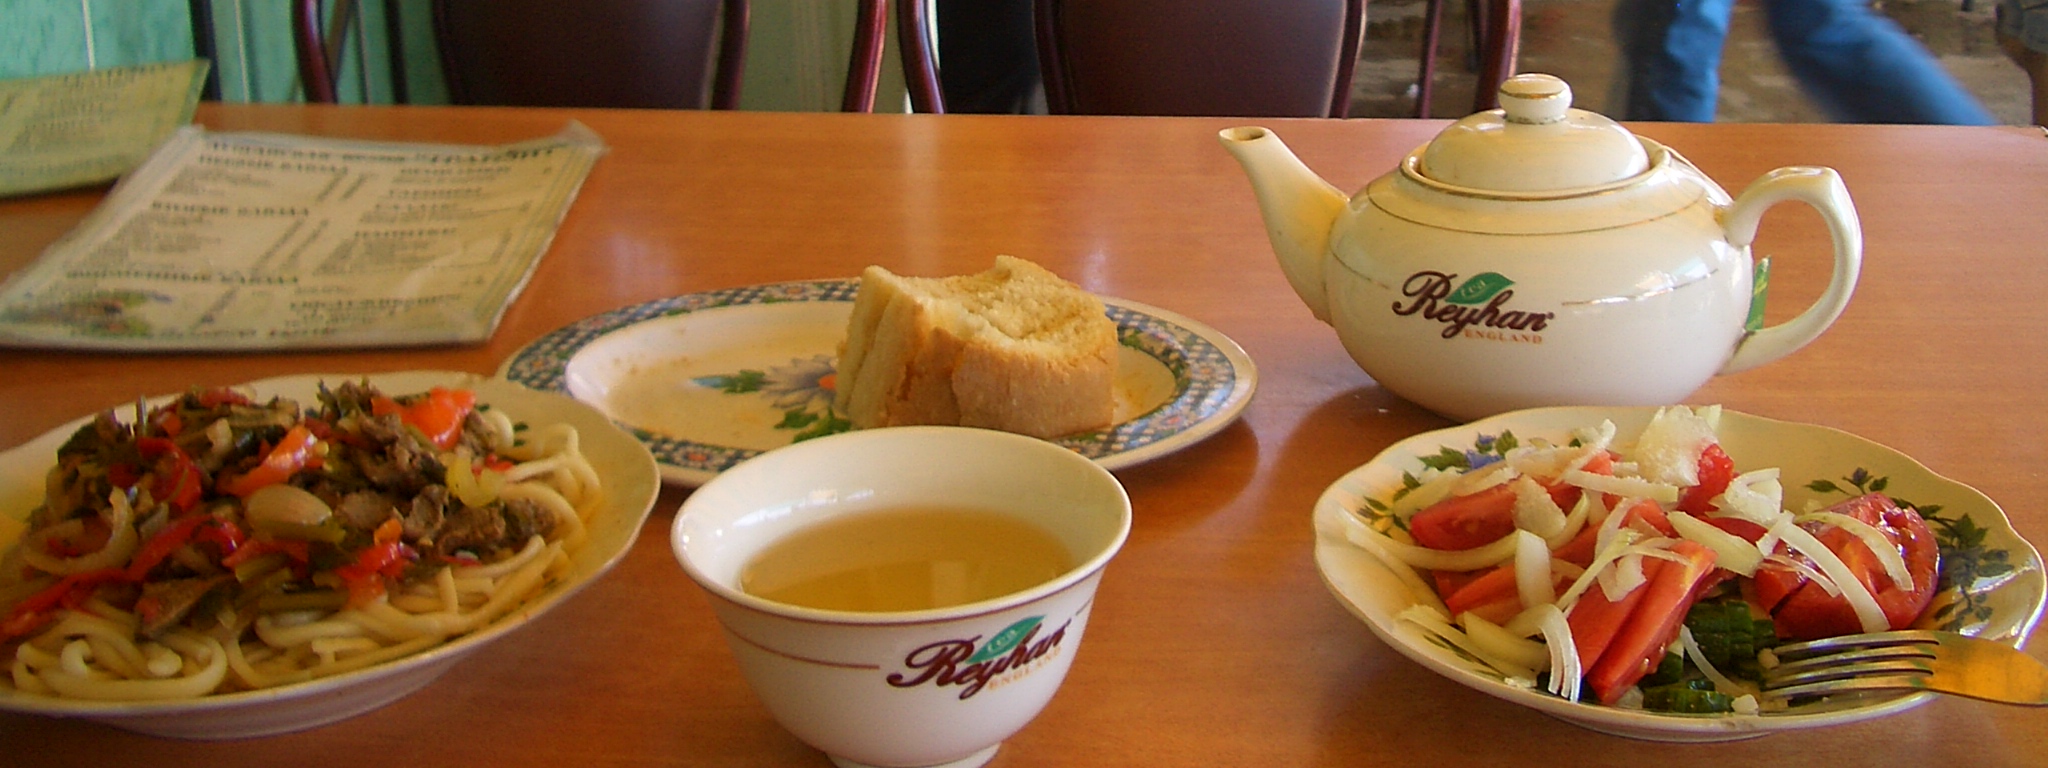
column 1536, row 142
column 1533, row 99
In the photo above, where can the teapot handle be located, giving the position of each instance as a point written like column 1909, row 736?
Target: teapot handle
column 1821, row 188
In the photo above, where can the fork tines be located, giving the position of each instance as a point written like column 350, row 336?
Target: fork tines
column 1868, row 662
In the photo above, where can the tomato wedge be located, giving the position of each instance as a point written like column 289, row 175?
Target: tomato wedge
column 1716, row 471
column 1492, row 595
column 1464, row 522
column 1638, row 640
column 1580, row 550
column 1802, row 610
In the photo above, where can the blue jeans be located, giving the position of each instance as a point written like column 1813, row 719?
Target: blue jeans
column 1855, row 63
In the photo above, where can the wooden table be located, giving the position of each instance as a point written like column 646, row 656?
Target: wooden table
column 1214, row 641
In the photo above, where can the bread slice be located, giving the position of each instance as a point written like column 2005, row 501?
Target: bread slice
column 1014, row 348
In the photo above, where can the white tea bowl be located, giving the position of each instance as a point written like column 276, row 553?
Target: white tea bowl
column 932, row 687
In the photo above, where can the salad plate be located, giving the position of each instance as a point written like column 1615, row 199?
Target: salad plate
column 630, row 484
column 1992, row 586
column 708, row 380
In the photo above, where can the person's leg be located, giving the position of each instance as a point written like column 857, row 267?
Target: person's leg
column 1670, row 58
column 1860, row 67
column 2023, row 33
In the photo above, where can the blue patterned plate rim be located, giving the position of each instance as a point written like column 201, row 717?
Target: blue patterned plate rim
column 1213, row 377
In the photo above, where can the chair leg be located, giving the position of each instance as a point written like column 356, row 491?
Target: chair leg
column 734, row 18
column 920, row 67
column 864, row 71
column 1503, row 43
column 203, row 46
column 314, row 76
column 1425, row 79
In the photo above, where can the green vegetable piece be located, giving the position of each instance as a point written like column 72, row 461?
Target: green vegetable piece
column 1686, row 698
column 1730, row 636
column 1669, row 671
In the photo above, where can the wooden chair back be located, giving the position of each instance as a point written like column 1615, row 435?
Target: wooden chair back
column 661, row 54
column 1199, row 57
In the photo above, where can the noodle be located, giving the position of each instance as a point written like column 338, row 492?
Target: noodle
column 95, row 649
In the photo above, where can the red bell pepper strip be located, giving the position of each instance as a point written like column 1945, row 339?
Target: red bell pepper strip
column 35, row 610
column 179, row 481
column 1639, row 643
column 296, row 451
column 224, row 535
column 219, row 396
column 174, row 535
column 167, row 422
column 385, row 558
column 438, row 414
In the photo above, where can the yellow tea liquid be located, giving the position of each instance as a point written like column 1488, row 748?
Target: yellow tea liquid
column 905, row 560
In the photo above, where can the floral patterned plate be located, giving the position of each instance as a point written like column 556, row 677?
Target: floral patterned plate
column 1992, row 583
column 710, row 379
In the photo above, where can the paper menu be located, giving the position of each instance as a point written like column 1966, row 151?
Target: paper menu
column 70, row 130
column 253, row 241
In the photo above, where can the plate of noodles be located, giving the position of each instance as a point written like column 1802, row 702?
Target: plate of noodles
column 286, row 553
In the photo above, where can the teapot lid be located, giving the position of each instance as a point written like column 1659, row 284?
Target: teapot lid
column 1536, row 142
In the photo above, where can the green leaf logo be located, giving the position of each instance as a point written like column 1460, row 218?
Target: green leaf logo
column 1005, row 640
column 1759, row 286
column 1480, row 288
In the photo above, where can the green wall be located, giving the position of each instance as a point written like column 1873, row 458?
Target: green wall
column 796, row 49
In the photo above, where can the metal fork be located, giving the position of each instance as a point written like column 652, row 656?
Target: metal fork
column 1913, row 660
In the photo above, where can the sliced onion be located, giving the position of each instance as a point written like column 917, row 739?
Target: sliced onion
column 1436, row 486
column 1528, row 654
column 1730, row 551
column 1753, row 496
column 1533, row 579
column 1574, row 521
column 1595, row 439
column 1552, row 460
column 1622, row 486
column 1596, row 510
column 1860, row 600
column 1483, row 478
column 1535, row 511
column 1373, row 542
column 1669, row 448
column 1434, row 623
column 1886, row 550
column 1437, row 559
column 1565, row 669
column 122, row 541
column 1807, row 570
column 1611, row 525
column 1624, row 576
column 1603, row 559
column 1699, row 659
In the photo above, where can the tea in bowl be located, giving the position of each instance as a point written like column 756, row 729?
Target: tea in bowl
column 909, row 596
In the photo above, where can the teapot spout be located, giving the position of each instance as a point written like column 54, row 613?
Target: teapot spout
column 1299, row 207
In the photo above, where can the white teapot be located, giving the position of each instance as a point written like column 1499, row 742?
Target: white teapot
column 1540, row 255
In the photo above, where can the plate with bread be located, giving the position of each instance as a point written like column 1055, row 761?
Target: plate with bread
column 707, row 380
